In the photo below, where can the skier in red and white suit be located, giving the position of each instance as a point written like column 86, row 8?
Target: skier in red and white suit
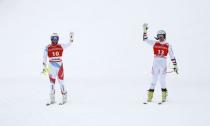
column 161, row 48
column 54, row 52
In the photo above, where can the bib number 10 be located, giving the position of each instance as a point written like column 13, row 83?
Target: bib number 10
column 55, row 53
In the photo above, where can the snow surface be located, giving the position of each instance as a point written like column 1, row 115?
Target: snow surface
column 107, row 70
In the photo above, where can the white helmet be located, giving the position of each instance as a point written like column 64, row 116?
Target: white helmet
column 161, row 32
column 54, row 34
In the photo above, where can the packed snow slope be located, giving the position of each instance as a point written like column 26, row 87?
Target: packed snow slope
column 108, row 68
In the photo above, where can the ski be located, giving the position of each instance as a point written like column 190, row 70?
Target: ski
column 160, row 103
column 62, row 103
column 146, row 102
column 48, row 104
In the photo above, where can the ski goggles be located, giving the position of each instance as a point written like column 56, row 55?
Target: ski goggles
column 54, row 38
column 160, row 36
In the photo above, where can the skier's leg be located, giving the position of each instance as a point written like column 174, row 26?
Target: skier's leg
column 155, row 71
column 163, row 83
column 153, row 84
column 62, row 87
column 162, row 80
column 52, row 84
column 63, row 91
column 152, row 88
column 52, row 93
column 163, row 87
column 150, row 95
column 61, row 82
column 164, row 94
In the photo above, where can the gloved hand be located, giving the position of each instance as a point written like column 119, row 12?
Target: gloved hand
column 145, row 27
column 71, row 35
column 45, row 69
column 175, row 68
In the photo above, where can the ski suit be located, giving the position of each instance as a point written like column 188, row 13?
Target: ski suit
column 159, row 68
column 56, row 70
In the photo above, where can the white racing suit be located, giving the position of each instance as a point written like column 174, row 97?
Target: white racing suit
column 159, row 68
column 56, row 70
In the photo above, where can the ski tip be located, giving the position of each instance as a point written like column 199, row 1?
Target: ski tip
column 48, row 104
column 62, row 103
column 146, row 103
column 161, row 102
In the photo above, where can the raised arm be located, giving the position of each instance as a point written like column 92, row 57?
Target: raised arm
column 71, row 35
column 145, row 37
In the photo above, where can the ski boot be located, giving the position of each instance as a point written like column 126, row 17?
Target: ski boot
column 52, row 99
column 64, row 99
column 150, row 95
column 164, row 94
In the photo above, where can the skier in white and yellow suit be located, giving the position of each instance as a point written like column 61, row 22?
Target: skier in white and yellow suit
column 161, row 49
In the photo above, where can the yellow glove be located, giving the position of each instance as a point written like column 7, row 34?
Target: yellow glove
column 45, row 70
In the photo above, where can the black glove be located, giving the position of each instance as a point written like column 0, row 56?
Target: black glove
column 176, row 69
